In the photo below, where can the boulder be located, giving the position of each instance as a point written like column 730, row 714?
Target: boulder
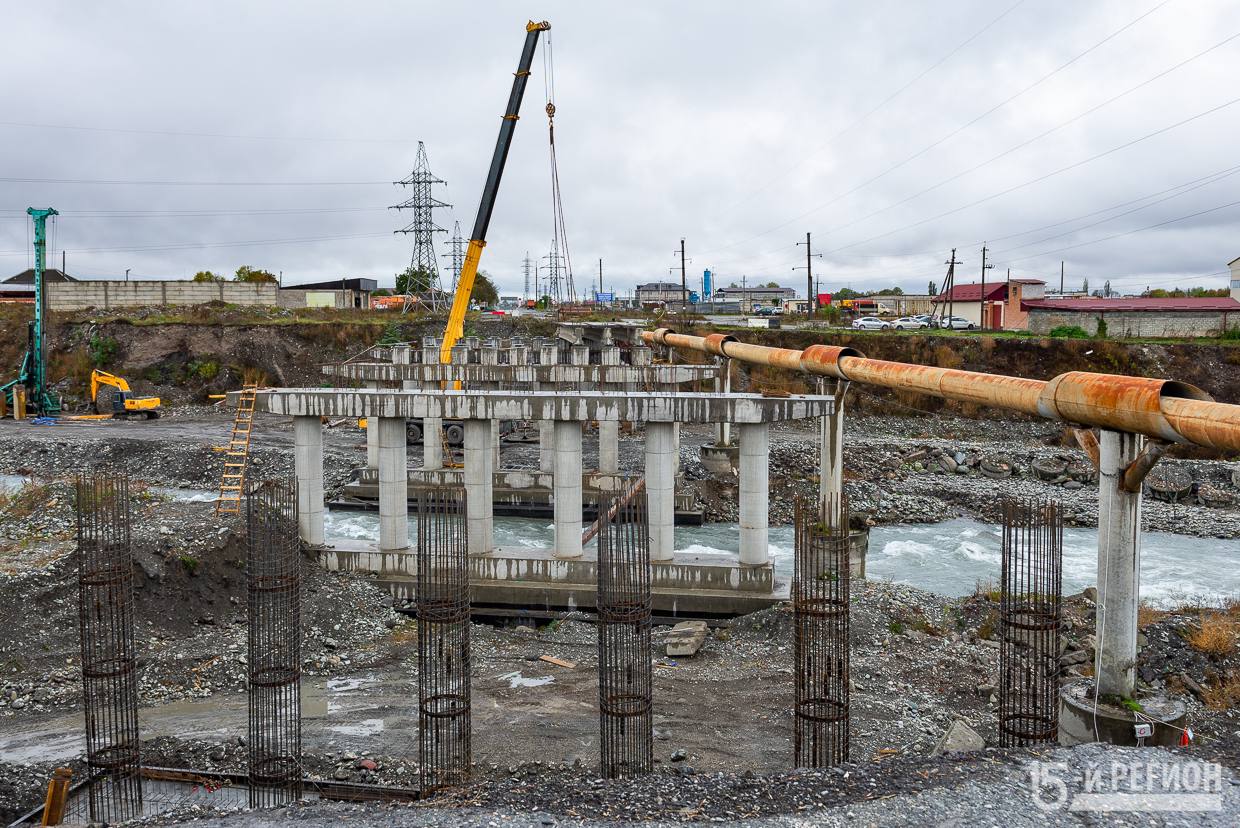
column 958, row 738
column 686, row 638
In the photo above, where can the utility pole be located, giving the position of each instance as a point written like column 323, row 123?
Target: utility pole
column 809, row 276
column 600, row 279
column 126, row 274
column 982, row 300
column 949, row 283
column 684, row 288
column 1061, row 277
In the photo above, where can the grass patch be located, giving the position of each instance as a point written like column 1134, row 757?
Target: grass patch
column 1148, row 614
column 1215, row 634
column 1068, row 332
column 190, row 563
column 1222, row 693
column 23, row 503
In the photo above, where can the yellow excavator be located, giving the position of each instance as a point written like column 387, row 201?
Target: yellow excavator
column 124, row 403
column 477, row 239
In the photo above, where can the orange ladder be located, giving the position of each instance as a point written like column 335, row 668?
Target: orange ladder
column 232, row 481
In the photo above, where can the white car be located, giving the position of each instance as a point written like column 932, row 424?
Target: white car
column 870, row 323
column 956, row 323
column 908, row 323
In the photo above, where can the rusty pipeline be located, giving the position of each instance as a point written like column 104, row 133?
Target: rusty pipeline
column 1163, row 409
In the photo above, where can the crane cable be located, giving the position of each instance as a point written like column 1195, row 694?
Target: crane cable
column 563, row 287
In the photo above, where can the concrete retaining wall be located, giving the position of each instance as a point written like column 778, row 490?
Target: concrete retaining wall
column 106, row 295
column 1137, row 323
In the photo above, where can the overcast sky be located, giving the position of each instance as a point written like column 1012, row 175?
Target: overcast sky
column 892, row 130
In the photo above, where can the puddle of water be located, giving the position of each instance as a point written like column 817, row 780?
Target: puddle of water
column 184, row 495
column 344, row 685
column 515, row 680
column 366, row 727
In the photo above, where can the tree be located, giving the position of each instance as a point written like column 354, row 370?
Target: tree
column 1106, row 289
column 207, row 276
column 484, row 292
column 772, row 284
column 1085, row 287
column 846, row 293
column 413, row 280
column 245, row 273
column 933, row 288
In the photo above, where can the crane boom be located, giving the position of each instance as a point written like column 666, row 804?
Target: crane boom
column 478, row 238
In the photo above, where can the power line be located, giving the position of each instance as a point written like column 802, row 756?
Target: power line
column 1041, row 178
column 203, row 245
column 128, row 214
column 182, row 134
column 959, row 129
column 857, row 121
column 156, row 183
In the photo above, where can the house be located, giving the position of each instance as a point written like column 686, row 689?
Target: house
column 20, row 288
column 1003, row 302
column 1138, row 316
column 1234, row 266
column 755, row 297
column 345, row 292
column 661, row 293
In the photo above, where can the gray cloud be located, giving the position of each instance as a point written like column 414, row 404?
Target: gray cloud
column 720, row 122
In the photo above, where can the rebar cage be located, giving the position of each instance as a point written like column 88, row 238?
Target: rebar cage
column 820, row 606
column 109, row 658
column 273, row 565
column 1029, row 610
column 626, row 744
column 444, row 713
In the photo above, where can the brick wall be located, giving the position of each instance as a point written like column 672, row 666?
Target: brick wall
column 1137, row 323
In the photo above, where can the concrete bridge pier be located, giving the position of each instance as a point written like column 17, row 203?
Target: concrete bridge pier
column 432, row 443
column 660, row 491
column 566, row 489
column 308, row 466
column 1119, row 565
column 755, row 450
column 393, row 484
column 479, row 483
column 831, row 445
column 609, row 430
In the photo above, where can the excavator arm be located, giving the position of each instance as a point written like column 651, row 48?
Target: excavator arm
column 478, row 238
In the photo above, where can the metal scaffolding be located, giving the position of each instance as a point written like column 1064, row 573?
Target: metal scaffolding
column 109, row 659
column 274, row 568
column 820, row 606
column 444, row 718
column 1029, row 608
column 624, row 673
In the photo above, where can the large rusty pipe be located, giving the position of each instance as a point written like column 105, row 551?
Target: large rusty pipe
column 1164, row 409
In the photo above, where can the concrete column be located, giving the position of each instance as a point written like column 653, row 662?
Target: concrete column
column 566, row 490
column 660, row 491
column 579, row 355
column 496, row 462
column 723, row 385
column 402, row 354
column 393, row 484
column 754, row 470
column 546, row 445
column 1119, row 565
column 308, row 462
column 676, row 448
column 432, row 443
column 641, row 356
column 480, row 522
column 372, row 443
column 831, row 451
column 609, row 446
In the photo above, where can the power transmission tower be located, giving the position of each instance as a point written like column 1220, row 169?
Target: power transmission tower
column 425, row 291
column 555, row 282
column 982, row 301
column 526, row 268
column 456, row 254
column 948, row 286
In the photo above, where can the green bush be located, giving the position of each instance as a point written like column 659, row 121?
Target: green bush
column 1101, row 333
column 1068, row 332
column 391, row 335
column 103, row 350
column 1231, row 335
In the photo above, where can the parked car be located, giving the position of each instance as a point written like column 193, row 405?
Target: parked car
column 771, row 311
column 871, row 323
column 956, row 323
column 909, row 323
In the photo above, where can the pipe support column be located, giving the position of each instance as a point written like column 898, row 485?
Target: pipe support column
column 308, row 464
column 566, row 489
column 755, row 477
column 546, row 445
column 480, row 521
column 831, row 450
column 609, row 446
column 1119, row 565
column 432, row 443
column 660, row 491
column 393, row 484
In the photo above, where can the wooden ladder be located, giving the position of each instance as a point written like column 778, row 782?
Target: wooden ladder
column 232, row 480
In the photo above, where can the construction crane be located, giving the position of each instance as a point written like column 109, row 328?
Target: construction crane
column 478, row 237
column 33, row 374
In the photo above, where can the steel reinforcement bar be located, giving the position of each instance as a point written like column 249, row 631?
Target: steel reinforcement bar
column 1163, row 409
column 109, row 657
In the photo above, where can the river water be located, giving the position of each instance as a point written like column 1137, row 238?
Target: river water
column 949, row 558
